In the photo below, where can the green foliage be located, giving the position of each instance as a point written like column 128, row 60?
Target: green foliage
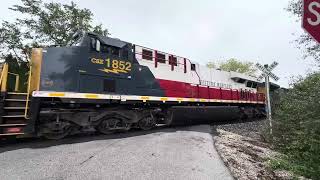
column 284, row 163
column 41, row 25
column 235, row 66
column 18, row 67
column 305, row 42
column 296, row 130
column 211, row 65
column 44, row 24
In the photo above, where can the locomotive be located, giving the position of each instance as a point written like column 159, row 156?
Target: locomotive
column 103, row 84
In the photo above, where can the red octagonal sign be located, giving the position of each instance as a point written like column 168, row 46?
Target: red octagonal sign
column 311, row 18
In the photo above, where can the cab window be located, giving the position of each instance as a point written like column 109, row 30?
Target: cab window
column 114, row 51
column 125, row 54
column 161, row 58
column 173, row 61
column 146, row 54
column 193, row 67
column 104, row 48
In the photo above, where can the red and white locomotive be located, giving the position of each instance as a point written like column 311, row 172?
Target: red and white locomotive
column 104, row 84
column 182, row 78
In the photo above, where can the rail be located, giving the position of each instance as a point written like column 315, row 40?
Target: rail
column 28, row 92
column 4, row 77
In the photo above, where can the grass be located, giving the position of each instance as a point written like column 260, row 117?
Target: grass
column 296, row 168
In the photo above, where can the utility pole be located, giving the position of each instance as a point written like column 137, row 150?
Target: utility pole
column 268, row 102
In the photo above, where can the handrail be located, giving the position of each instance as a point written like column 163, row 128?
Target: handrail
column 2, row 68
column 4, row 77
column 28, row 92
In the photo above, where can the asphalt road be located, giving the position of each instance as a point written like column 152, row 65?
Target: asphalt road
column 164, row 153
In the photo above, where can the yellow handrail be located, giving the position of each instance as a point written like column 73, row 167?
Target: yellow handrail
column 28, row 93
column 4, row 77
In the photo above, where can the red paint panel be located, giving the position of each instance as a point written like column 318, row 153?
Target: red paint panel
column 214, row 93
column 203, row 93
column 255, row 97
column 226, row 94
column 181, row 89
column 194, row 91
column 173, row 89
column 234, row 95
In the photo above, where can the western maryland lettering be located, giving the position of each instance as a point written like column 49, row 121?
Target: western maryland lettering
column 113, row 66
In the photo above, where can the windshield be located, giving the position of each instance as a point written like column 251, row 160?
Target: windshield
column 76, row 40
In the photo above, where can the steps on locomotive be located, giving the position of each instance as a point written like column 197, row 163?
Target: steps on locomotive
column 13, row 117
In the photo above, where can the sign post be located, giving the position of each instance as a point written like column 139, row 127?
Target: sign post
column 266, row 73
column 311, row 18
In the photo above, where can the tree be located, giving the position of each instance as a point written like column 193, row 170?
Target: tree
column 44, row 24
column 296, row 127
column 41, row 25
column 305, row 42
column 211, row 65
column 235, row 66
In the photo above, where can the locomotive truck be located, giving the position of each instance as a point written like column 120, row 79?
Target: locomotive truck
column 103, row 84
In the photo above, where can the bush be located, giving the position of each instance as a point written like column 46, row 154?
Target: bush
column 18, row 67
column 296, row 129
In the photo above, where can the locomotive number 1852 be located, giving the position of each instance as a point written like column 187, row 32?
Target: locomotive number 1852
column 113, row 65
column 117, row 64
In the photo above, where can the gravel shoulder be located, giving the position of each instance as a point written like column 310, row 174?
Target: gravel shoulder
column 242, row 149
column 167, row 153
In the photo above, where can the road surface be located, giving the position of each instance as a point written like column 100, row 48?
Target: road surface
column 164, row 153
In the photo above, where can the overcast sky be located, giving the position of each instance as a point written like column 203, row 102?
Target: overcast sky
column 206, row 30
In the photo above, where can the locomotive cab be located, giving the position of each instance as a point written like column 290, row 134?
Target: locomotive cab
column 90, row 64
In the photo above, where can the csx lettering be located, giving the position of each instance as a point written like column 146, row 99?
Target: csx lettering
column 97, row 61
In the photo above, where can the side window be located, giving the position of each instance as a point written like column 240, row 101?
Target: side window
column 104, row 48
column 173, row 61
column 161, row 58
column 249, row 84
column 115, row 51
column 193, row 67
column 146, row 54
column 254, row 85
column 241, row 81
column 93, row 43
column 125, row 54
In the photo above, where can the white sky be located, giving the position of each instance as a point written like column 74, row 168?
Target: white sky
column 252, row 30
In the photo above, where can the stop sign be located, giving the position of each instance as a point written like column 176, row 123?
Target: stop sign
column 311, row 18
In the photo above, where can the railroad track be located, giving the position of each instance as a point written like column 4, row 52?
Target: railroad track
column 247, row 127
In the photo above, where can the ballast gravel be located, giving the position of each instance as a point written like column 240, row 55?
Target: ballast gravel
column 244, row 151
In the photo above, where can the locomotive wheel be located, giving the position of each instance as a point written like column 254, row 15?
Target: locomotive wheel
column 112, row 125
column 147, row 123
column 56, row 131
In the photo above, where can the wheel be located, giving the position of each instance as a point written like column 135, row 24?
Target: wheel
column 55, row 131
column 147, row 123
column 112, row 125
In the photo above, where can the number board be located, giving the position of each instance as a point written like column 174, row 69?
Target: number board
column 113, row 65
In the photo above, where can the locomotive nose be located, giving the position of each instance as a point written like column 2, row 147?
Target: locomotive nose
column 57, row 67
